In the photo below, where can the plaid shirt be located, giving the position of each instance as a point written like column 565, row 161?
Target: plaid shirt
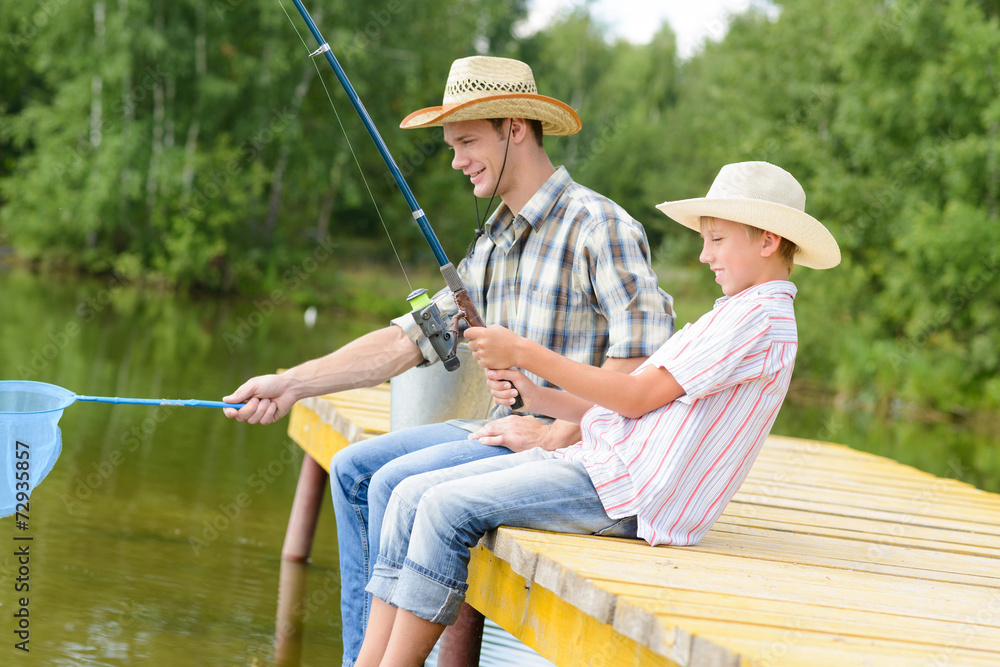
column 571, row 272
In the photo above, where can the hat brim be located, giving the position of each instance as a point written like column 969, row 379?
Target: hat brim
column 557, row 118
column 817, row 247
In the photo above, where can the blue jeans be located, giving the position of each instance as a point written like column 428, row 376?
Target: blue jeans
column 434, row 519
column 362, row 478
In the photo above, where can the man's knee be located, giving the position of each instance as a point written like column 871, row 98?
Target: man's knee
column 380, row 487
column 342, row 467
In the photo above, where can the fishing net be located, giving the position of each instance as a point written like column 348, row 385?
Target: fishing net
column 30, row 439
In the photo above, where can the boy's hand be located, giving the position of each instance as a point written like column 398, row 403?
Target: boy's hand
column 506, row 384
column 493, row 346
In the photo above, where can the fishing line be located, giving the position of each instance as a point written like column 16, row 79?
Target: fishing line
column 351, row 147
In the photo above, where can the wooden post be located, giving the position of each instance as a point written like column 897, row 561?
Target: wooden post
column 460, row 644
column 305, row 511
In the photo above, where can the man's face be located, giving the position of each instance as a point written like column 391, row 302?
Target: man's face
column 479, row 154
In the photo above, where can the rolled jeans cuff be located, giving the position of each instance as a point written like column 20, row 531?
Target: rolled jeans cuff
column 417, row 590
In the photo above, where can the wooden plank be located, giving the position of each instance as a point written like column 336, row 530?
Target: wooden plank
column 854, row 555
column 743, row 575
column 323, row 425
column 826, row 556
column 547, row 623
column 878, row 531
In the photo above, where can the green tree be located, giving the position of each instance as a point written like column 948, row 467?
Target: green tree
column 192, row 143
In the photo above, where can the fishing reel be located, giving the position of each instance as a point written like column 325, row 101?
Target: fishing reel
column 428, row 316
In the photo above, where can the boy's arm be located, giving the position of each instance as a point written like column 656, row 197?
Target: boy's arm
column 541, row 400
column 628, row 395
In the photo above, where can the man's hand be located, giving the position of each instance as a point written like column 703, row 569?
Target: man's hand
column 518, row 433
column 268, row 398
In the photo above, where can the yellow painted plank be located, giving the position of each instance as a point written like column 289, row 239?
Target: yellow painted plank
column 827, row 556
column 768, row 645
column 324, row 425
column 761, row 620
column 557, row 631
column 806, row 616
column 316, row 437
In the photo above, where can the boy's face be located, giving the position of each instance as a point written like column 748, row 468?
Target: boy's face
column 738, row 262
column 479, row 154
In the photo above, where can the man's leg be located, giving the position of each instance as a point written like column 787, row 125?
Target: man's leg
column 350, row 472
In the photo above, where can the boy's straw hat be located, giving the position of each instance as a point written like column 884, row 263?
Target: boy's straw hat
column 765, row 196
column 484, row 87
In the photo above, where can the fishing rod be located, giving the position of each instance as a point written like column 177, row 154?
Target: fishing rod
column 424, row 311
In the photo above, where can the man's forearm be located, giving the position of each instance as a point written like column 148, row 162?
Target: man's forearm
column 364, row 362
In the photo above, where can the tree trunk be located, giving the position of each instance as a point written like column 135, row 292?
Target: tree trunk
column 277, row 180
column 127, row 112
column 201, row 69
column 152, row 183
column 96, row 81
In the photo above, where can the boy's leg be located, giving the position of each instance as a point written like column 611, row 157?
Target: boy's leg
column 377, row 633
column 350, row 472
column 388, row 477
column 424, row 570
column 412, row 640
column 397, row 637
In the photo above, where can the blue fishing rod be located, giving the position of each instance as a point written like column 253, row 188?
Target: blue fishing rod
column 424, row 311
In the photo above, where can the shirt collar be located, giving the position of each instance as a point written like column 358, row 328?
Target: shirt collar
column 536, row 210
column 772, row 288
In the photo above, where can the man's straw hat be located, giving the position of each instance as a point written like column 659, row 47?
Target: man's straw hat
column 484, row 87
column 765, row 196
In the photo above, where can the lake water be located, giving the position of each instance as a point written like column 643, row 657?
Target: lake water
column 156, row 539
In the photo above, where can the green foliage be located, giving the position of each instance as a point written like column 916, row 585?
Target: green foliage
column 194, row 144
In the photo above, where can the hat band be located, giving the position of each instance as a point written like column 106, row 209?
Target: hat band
column 463, row 87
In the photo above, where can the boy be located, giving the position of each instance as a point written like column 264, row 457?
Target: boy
column 663, row 449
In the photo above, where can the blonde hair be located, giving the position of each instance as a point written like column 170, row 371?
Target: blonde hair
column 786, row 249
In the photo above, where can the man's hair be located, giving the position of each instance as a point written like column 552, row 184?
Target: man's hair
column 786, row 249
column 534, row 125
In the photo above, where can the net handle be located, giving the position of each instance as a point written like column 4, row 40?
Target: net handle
column 187, row 403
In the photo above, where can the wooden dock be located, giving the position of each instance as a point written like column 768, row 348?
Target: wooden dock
column 826, row 556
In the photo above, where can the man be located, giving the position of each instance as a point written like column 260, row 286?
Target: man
column 556, row 263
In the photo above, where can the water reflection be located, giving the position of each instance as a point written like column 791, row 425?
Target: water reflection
column 291, row 614
column 157, row 536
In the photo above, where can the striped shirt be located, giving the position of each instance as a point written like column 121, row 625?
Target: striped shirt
column 677, row 467
column 570, row 271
